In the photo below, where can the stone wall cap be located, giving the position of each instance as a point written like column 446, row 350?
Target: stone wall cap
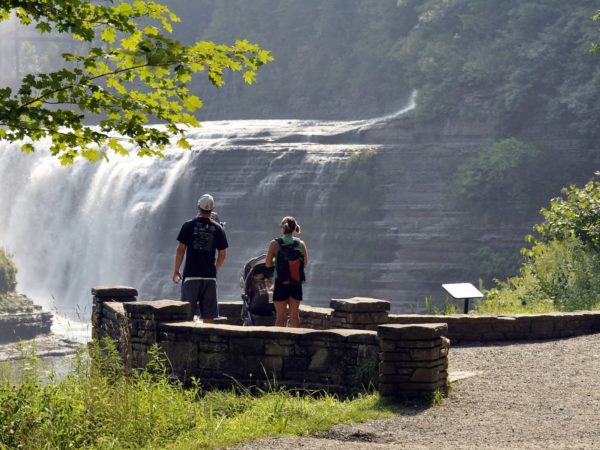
column 315, row 309
column 161, row 306
column 117, row 307
column 338, row 335
column 359, row 304
column 412, row 331
column 114, row 291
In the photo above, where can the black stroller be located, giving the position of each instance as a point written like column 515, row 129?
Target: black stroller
column 257, row 300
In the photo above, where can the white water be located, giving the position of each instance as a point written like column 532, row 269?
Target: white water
column 72, row 228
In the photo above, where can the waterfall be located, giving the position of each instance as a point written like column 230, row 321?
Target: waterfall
column 72, row 228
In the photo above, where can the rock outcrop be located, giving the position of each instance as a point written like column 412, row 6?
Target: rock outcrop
column 20, row 318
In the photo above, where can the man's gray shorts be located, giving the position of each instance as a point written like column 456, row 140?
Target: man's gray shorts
column 201, row 293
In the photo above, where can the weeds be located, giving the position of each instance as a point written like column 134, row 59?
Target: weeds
column 101, row 405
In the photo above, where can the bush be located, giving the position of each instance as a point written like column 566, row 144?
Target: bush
column 8, row 273
column 562, row 268
column 558, row 276
column 577, row 215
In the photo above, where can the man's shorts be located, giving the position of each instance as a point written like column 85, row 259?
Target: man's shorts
column 201, row 293
column 282, row 292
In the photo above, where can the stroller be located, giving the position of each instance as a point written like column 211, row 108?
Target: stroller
column 257, row 300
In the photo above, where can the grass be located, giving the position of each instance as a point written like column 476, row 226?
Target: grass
column 99, row 405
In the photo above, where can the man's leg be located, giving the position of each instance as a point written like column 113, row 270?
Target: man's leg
column 209, row 307
column 189, row 293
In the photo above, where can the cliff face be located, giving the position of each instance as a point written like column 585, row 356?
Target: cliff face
column 386, row 228
column 373, row 199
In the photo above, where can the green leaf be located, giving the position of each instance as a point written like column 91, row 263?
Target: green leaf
column 108, row 35
column 27, row 148
column 192, row 103
column 183, row 143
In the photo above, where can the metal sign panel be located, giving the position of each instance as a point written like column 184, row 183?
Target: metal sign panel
column 462, row 290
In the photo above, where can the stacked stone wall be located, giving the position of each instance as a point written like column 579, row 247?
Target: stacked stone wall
column 413, row 360
column 468, row 328
column 341, row 361
column 359, row 313
column 339, row 351
column 144, row 318
column 366, row 313
column 106, row 323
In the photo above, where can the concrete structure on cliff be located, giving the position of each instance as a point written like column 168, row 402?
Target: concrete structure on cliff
column 352, row 346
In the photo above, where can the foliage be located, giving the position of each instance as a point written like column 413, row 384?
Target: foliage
column 333, row 58
column 355, row 198
column 132, row 74
column 562, row 268
column 525, row 64
column 498, row 182
column 447, row 308
column 558, row 276
column 356, row 186
column 100, row 405
column 576, row 215
column 596, row 18
column 493, row 264
column 8, row 273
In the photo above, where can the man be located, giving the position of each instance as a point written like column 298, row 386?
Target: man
column 199, row 239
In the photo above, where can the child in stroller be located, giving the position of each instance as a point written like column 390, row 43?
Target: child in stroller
column 257, row 300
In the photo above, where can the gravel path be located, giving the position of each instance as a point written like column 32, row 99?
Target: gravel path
column 529, row 395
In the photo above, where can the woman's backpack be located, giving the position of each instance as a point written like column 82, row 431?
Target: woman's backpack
column 290, row 262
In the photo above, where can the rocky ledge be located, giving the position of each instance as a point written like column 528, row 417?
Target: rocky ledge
column 20, row 318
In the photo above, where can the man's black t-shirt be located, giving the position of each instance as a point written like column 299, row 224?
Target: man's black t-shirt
column 202, row 237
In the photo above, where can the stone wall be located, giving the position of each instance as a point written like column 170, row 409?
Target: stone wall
column 467, row 328
column 367, row 313
column 343, row 361
column 340, row 361
column 414, row 360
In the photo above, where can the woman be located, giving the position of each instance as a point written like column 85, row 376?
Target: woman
column 290, row 257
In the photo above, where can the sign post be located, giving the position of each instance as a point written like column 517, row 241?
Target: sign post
column 463, row 291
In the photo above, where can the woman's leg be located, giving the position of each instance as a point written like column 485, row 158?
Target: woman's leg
column 294, row 308
column 280, row 313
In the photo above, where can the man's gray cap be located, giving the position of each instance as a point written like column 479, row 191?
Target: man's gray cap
column 206, row 202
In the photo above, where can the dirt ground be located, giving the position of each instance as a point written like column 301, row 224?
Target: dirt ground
column 517, row 395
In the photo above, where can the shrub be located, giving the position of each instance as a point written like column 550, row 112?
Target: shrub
column 558, row 276
column 562, row 268
column 8, row 273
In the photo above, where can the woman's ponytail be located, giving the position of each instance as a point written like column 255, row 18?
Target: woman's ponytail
column 289, row 225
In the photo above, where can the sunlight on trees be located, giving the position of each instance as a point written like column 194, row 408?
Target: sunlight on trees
column 133, row 75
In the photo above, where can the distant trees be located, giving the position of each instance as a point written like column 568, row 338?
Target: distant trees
column 133, row 74
column 524, row 64
column 500, row 182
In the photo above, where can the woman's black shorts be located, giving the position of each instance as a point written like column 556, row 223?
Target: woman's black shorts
column 282, row 291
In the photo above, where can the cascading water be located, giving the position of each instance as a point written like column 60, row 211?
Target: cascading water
column 72, row 228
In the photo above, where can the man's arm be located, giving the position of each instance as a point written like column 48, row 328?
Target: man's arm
column 221, row 255
column 179, row 254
